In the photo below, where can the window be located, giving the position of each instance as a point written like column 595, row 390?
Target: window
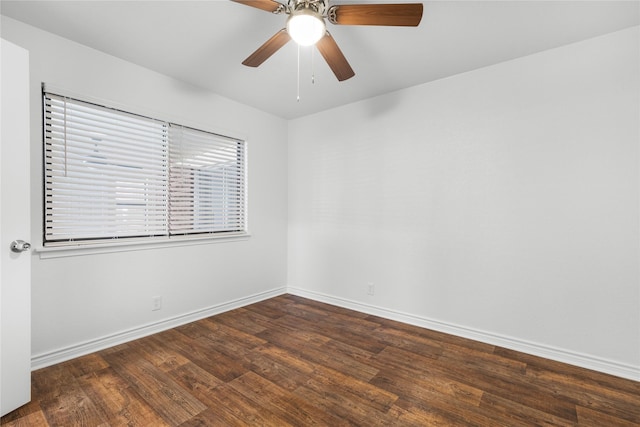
column 110, row 175
column 206, row 182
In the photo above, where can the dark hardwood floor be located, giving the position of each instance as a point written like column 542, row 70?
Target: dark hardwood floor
column 292, row 361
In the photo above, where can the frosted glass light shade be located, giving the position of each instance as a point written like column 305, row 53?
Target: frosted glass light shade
column 306, row 27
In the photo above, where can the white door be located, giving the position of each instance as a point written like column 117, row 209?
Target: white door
column 15, row 259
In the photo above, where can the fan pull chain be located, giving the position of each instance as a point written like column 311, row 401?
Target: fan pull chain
column 313, row 68
column 298, row 89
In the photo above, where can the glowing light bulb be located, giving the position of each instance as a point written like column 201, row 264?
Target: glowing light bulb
column 306, row 27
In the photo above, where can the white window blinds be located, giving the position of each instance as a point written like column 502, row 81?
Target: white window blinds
column 110, row 174
column 207, row 189
column 105, row 172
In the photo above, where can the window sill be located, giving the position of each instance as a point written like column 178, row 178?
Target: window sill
column 79, row 249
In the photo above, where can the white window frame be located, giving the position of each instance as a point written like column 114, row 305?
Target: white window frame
column 237, row 229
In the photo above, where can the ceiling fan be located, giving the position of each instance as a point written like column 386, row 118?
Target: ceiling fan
column 306, row 25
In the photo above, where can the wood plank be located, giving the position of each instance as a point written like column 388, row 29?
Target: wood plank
column 590, row 418
column 116, row 401
column 85, row 365
column 326, row 379
column 440, row 337
column 482, row 362
column 174, row 404
column 292, row 338
column 226, row 335
column 273, row 308
column 22, row 415
column 293, row 361
column 414, row 416
column 575, row 373
column 349, row 408
column 27, row 420
column 195, row 379
column 328, row 308
column 206, row 356
column 313, row 348
column 514, row 413
column 286, row 358
column 414, row 343
column 282, row 402
column 351, row 334
column 278, row 371
column 214, row 417
column 205, row 387
column 435, row 398
column 71, row 408
column 424, row 386
column 512, row 387
column 604, row 400
column 233, row 405
column 245, row 320
column 155, row 351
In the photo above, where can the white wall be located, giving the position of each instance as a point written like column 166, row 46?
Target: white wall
column 501, row 203
column 78, row 300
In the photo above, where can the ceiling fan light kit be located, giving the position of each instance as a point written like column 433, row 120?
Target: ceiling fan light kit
column 306, row 26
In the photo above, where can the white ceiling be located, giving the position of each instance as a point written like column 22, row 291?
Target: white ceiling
column 204, row 43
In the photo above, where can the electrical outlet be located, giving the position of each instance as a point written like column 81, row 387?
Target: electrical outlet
column 156, row 303
column 371, row 289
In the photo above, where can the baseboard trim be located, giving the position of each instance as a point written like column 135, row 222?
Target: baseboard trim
column 67, row 353
column 558, row 354
column 536, row 349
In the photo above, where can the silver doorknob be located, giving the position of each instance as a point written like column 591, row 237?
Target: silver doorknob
column 20, row 246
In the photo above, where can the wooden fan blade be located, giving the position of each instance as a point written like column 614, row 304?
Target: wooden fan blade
column 268, row 5
column 333, row 55
column 403, row 15
column 270, row 47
